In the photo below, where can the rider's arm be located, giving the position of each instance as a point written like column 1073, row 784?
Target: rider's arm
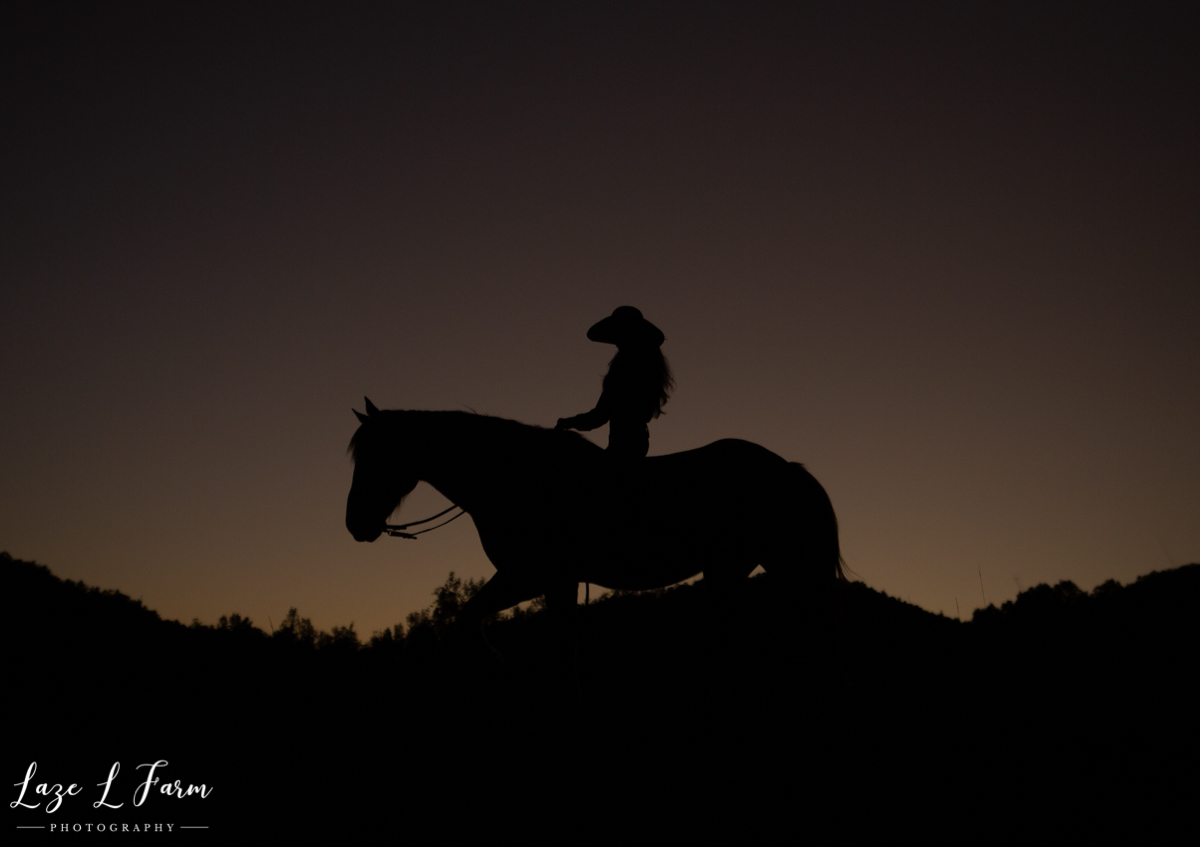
column 588, row 420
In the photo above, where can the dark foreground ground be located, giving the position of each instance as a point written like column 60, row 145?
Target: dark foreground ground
column 679, row 717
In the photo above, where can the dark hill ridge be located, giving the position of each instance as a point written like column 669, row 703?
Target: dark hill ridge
column 1060, row 693
column 47, row 615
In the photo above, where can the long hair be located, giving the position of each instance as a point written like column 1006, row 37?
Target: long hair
column 645, row 368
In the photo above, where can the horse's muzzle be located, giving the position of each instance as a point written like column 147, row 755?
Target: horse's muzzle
column 364, row 530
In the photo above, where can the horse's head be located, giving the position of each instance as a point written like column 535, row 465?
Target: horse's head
column 382, row 474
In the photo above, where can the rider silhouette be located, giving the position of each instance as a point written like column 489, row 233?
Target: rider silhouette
column 635, row 388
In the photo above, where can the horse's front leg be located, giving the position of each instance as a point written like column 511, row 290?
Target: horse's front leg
column 503, row 591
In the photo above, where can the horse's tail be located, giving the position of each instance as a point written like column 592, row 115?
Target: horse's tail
column 819, row 524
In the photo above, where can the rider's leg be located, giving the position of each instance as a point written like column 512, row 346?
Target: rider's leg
column 561, row 602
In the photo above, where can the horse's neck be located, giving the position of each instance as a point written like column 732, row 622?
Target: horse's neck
column 455, row 458
column 480, row 461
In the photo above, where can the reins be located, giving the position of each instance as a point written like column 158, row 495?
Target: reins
column 397, row 530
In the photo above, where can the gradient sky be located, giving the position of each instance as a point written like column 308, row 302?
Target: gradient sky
column 945, row 255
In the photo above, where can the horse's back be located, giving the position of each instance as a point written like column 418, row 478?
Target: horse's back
column 727, row 506
column 682, row 493
column 712, row 470
column 723, row 450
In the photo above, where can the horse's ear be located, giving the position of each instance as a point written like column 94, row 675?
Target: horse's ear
column 370, row 406
column 361, row 417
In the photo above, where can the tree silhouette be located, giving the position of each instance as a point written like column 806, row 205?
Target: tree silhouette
column 294, row 629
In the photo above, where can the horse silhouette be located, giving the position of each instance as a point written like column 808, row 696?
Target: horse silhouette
column 552, row 510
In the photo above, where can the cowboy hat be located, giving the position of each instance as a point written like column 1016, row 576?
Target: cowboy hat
column 626, row 326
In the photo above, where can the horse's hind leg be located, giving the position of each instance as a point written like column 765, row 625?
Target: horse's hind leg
column 801, row 603
column 725, row 587
column 727, row 580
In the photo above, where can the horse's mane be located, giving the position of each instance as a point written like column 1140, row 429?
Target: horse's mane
column 513, row 435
